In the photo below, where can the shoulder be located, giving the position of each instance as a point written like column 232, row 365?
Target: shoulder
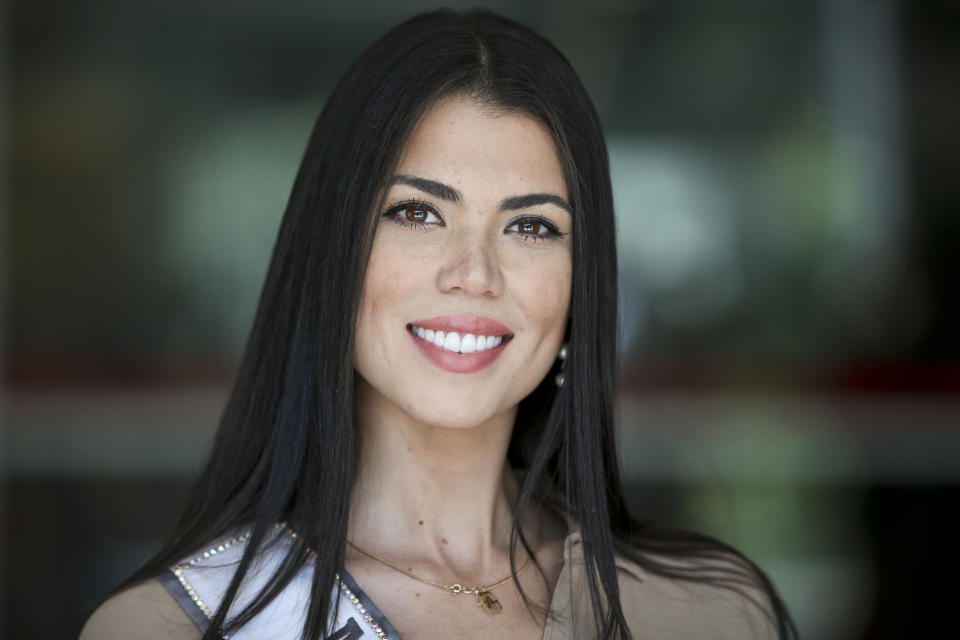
column 146, row 611
column 168, row 606
column 716, row 597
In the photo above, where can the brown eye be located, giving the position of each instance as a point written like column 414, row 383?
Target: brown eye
column 415, row 213
column 530, row 227
column 533, row 229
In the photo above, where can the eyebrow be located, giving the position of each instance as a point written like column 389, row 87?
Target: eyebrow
column 436, row 189
column 448, row 193
column 532, row 200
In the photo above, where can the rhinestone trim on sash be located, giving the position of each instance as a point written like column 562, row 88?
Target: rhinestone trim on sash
column 242, row 538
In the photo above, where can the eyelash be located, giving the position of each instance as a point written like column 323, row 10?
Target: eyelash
column 551, row 229
column 393, row 213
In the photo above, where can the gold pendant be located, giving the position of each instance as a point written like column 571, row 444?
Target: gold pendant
column 487, row 600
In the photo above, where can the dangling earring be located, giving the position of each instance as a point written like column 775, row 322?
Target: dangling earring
column 563, row 363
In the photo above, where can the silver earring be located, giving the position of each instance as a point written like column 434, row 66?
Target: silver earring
column 563, row 363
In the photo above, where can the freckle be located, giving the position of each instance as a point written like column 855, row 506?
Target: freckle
column 418, row 595
column 443, row 540
column 421, row 523
column 409, row 568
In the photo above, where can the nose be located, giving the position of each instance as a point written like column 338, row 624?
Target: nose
column 471, row 267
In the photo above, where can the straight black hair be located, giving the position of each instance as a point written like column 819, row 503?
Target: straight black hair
column 286, row 449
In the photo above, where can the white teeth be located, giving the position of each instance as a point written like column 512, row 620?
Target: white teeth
column 467, row 343
column 452, row 341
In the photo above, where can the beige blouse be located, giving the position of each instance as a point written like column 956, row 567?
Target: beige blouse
column 656, row 608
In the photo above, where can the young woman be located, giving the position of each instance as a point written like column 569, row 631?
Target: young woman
column 419, row 442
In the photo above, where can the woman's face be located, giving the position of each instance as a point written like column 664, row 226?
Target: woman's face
column 466, row 294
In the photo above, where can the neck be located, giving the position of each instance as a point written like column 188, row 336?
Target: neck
column 444, row 495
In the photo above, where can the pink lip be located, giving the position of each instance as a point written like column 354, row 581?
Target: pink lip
column 461, row 362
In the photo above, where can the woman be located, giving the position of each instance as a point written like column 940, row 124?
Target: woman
column 423, row 418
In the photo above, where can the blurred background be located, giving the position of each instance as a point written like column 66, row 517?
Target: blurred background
column 788, row 207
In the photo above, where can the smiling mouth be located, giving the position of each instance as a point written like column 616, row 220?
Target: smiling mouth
column 458, row 343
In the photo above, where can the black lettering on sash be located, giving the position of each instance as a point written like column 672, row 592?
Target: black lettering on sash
column 349, row 631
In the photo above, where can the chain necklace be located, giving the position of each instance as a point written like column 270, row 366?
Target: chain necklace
column 485, row 599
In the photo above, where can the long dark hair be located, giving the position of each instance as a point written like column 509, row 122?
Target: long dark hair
column 286, row 446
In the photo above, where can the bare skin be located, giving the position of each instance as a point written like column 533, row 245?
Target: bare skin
column 447, row 520
column 144, row 611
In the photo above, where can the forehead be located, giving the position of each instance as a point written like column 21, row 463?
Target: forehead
column 466, row 144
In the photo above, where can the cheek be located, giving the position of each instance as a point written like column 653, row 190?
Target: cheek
column 377, row 296
column 544, row 293
column 392, row 275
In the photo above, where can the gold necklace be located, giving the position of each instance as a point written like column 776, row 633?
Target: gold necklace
column 485, row 599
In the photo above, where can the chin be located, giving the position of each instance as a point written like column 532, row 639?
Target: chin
column 453, row 417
